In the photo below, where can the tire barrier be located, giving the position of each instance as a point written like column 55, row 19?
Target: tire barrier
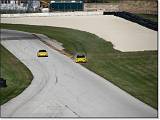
column 134, row 18
column 2, row 83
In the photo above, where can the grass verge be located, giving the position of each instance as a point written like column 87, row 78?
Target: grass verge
column 17, row 76
column 134, row 72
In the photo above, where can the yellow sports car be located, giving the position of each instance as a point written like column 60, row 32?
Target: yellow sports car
column 80, row 58
column 42, row 53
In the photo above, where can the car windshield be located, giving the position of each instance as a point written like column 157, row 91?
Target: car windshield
column 42, row 50
column 80, row 56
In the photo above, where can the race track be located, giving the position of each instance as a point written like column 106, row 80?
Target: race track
column 62, row 88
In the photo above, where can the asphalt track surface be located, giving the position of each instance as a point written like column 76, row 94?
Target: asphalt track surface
column 62, row 88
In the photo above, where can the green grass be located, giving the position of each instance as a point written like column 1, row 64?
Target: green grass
column 134, row 72
column 17, row 76
column 151, row 17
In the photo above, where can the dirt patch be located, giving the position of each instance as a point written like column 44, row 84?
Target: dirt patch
column 133, row 6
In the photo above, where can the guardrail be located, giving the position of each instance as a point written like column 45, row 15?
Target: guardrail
column 52, row 14
column 134, row 18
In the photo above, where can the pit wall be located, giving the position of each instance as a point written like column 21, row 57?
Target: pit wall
column 53, row 14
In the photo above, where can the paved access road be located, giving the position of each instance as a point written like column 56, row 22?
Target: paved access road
column 62, row 88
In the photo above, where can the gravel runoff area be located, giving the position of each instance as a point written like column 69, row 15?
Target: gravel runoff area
column 125, row 35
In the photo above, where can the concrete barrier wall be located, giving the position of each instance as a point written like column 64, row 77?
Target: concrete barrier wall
column 52, row 14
